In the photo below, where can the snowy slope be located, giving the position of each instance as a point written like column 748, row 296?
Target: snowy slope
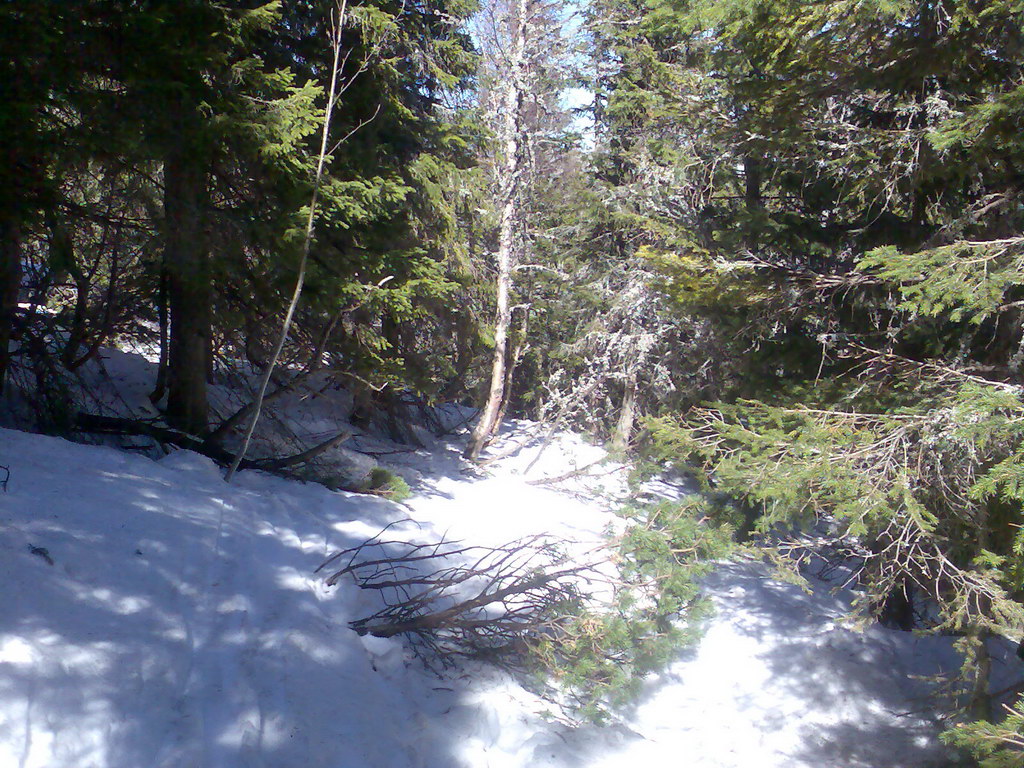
column 152, row 615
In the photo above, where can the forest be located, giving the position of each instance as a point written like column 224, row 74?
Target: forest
column 774, row 246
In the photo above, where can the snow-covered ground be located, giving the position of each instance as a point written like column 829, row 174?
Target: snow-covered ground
column 153, row 615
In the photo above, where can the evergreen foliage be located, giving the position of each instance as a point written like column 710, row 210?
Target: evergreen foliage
column 791, row 239
column 174, row 164
column 600, row 659
column 833, row 188
column 996, row 745
column 386, row 483
column 933, row 490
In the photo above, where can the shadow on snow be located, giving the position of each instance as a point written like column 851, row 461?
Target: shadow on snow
column 180, row 623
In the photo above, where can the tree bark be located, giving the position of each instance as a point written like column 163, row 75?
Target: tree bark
column 160, row 389
column 514, row 357
column 189, row 293
column 510, row 218
column 10, row 285
column 627, row 417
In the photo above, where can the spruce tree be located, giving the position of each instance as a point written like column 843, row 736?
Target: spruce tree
column 202, row 114
column 48, row 53
column 835, row 199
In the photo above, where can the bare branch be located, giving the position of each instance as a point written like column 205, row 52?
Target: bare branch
column 459, row 600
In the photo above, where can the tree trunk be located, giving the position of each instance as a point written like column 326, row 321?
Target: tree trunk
column 510, row 218
column 627, row 417
column 160, row 389
column 752, row 198
column 980, row 704
column 515, row 356
column 10, row 285
column 188, row 290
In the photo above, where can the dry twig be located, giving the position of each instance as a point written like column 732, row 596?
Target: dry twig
column 459, row 600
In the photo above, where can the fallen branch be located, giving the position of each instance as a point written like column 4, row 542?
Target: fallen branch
column 568, row 475
column 459, row 600
column 531, row 434
column 307, row 455
column 239, row 415
column 113, row 425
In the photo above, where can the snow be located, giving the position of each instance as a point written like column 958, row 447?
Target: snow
column 779, row 681
column 181, row 624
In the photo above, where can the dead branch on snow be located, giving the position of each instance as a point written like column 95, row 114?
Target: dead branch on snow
column 458, row 600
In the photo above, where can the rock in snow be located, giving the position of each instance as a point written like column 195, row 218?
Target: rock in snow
column 181, row 625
